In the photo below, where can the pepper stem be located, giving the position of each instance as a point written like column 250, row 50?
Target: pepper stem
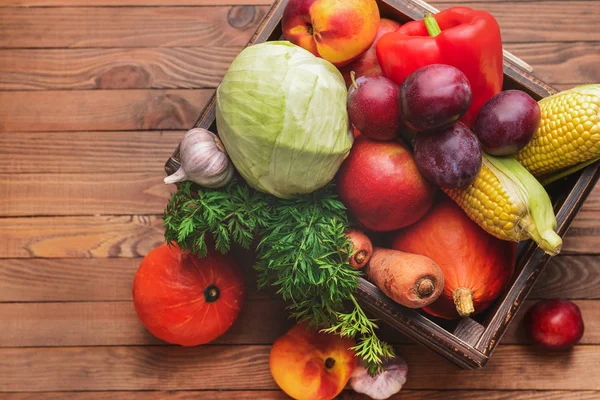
column 353, row 77
column 432, row 26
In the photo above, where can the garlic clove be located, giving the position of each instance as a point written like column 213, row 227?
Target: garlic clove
column 178, row 176
column 203, row 160
column 383, row 385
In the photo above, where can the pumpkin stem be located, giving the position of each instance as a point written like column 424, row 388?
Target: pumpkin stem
column 463, row 300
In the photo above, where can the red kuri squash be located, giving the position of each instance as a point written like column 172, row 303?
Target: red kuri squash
column 477, row 267
column 186, row 300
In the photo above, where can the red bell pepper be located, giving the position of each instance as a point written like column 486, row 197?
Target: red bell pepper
column 459, row 36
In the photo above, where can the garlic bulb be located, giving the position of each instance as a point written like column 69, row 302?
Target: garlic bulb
column 203, row 160
column 383, row 385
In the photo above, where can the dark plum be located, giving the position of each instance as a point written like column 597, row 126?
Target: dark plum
column 555, row 324
column 373, row 107
column 507, row 122
column 450, row 158
column 434, row 96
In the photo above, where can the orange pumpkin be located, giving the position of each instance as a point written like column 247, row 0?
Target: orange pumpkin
column 477, row 267
column 186, row 300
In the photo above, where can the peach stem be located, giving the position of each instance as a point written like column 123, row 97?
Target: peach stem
column 353, row 77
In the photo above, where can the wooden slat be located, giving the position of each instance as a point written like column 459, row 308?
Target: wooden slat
column 86, row 279
column 79, row 237
column 129, row 3
column 561, row 63
column 539, row 21
column 89, row 279
column 575, row 277
column 87, row 152
column 98, row 279
column 135, row 68
column 405, row 394
column 201, row 67
column 212, row 367
column 116, row 323
column 520, row 22
column 128, row 26
column 83, row 194
column 101, row 110
column 110, row 236
column 583, row 236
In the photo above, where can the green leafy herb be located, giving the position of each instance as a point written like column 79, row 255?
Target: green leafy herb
column 303, row 251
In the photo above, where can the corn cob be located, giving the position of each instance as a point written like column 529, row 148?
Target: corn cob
column 509, row 203
column 569, row 131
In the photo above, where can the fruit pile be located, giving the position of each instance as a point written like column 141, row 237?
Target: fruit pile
column 363, row 147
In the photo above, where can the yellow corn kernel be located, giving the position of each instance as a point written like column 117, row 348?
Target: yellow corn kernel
column 509, row 203
column 488, row 187
column 569, row 131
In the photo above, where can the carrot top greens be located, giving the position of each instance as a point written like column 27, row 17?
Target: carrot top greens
column 303, row 250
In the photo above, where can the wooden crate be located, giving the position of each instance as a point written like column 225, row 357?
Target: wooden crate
column 468, row 343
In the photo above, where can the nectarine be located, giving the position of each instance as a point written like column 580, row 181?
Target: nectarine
column 338, row 31
column 309, row 365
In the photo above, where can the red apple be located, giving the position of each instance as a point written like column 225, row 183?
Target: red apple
column 338, row 31
column 381, row 186
column 309, row 365
column 555, row 324
column 367, row 64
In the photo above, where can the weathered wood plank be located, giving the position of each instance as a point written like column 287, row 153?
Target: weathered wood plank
column 583, row 236
column 116, row 323
column 575, row 277
column 83, row 194
column 124, row 68
column 88, row 110
column 132, row 236
column 79, row 237
column 128, row 26
column 212, row 367
column 100, row 279
column 561, row 63
column 405, row 394
column 88, row 279
column 128, row 3
column 203, row 67
column 521, row 22
column 87, row 152
column 539, row 21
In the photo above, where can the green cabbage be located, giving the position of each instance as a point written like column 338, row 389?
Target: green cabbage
column 281, row 114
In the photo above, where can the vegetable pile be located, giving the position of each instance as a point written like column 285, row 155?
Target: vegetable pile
column 442, row 172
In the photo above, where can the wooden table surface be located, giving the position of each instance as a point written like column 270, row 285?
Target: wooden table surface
column 94, row 96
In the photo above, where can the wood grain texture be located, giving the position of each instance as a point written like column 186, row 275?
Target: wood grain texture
column 212, row 367
column 558, row 63
column 405, row 394
column 100, row 110
column 85, row 194
column 116, row 324
column 86, row 152
column 584, row 234
column 122, row 3
column 79, row 237
column 574, row 277
column 124, row 68
column 261, row 321
column 561, row 63
column 128, row 26
column 539, row 21
column 88, row 279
